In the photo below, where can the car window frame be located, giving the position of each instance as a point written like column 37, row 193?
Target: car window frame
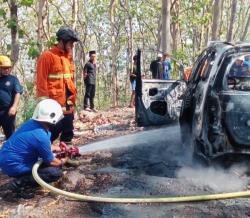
column 202, row 66
column 233, row 58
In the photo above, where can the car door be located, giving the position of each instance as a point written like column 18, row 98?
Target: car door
column 158, row 102
column 202, row 89
column 235, row 102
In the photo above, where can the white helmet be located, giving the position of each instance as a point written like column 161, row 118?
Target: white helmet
column 49, row 111
column 159, row 55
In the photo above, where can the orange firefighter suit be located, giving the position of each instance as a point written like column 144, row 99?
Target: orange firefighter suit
column 55, row 78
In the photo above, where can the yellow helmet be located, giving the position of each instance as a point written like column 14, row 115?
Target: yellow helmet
column 5, row 61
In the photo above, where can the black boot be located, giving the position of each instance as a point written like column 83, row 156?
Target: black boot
column 20, row 189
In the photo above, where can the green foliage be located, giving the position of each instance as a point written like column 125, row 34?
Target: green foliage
column 124, row 100
column 8, row 47
column 2, row 13
column 21, row 33
column 29, row 102
column 11, row 23
column 52, row 41
column 103, row 102
column 57, row 22
column 26, row 3
column 182, row 56
column 28, row 109
column 33, row 50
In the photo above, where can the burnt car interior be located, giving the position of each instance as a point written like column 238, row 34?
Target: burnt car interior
column 236, row 101
column 238, row 75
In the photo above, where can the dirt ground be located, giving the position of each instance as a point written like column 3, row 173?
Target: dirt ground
column 156, row 166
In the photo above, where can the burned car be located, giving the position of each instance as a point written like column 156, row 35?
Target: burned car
column 158, row 101
column 215, row 112
column 213, row 107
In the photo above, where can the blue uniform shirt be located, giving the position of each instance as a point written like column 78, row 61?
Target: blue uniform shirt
column 20, row 152
column 167, row 69
column 9, row 86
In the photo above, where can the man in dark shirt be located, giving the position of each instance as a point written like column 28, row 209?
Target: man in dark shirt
column 157, row 68
column 89, row 74
column 10, row 91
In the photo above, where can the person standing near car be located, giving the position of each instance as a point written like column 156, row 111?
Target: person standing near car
column 10, row 92
column 89, row 75
column 167, row 66
column 56, row 80
column 157, row 68
column 132, row 79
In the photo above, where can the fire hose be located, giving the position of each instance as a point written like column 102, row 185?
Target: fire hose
column 133, row 200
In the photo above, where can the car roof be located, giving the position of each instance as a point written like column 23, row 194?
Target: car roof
column 221, row 46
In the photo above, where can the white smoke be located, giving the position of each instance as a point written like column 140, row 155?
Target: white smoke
column 219, row 180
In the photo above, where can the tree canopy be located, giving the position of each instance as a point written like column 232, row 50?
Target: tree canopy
column 116, row 28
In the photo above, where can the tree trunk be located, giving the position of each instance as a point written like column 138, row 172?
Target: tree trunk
column 131, row 45
column 14, row 31
column 74, row 19
column 175, row 27
column 40, row 30
column 131, row 42
column 159, row 38
column 221, row 17
column 216, row 19
column 74, row 13
column 113, row 52
column 231, row 23
column 244, row 34
column 166, row 25
column 206, row 37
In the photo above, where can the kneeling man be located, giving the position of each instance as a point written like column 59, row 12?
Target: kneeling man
column 29, row 143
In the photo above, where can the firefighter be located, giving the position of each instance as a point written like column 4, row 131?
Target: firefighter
column 55, row 80
column 10, row 91
column 29, row 143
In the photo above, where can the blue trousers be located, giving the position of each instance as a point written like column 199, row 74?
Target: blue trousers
column 48, row 174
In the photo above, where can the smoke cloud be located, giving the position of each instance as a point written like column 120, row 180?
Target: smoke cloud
column 219, row 180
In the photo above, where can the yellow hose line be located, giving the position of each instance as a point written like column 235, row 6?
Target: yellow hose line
column 134, row 200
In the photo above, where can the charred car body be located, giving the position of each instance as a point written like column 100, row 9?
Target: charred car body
column 215, row 105
column 215, row 108
column 158, row 102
